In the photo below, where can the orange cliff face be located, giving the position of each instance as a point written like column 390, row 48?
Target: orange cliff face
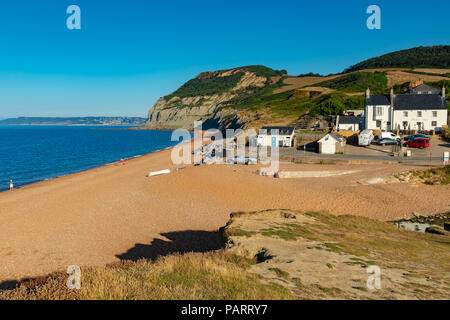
column 208, row 97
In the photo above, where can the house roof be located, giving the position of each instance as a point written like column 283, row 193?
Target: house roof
column 349, row 120
column 334, row 136
column 281, row 130
column 419, row 102
column 337, row 137
column 423, row 89
column 409, row 101
column 378, row 100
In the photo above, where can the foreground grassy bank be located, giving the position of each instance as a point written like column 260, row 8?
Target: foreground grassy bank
column 214, row 275
column 275, row 254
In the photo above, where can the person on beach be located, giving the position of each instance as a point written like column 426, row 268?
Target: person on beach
column 11, row 185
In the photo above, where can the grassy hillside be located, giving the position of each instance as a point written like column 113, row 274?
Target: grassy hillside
column 210, row 83
column 420, row 57
column 288, row 106
column 358, row 82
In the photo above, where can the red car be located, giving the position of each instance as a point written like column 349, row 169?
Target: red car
column 417, row 143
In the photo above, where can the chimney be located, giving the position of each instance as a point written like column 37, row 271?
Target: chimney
column 392, row 97
column 368, row 93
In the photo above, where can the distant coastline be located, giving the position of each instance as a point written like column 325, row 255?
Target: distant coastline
column 75, row 121
column 74, row 125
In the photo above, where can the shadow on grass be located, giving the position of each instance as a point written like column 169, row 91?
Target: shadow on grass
column 177, row 242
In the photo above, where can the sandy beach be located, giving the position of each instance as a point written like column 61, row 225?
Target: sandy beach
column 115, row 212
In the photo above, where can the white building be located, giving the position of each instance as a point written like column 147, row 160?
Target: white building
column 349, row 123
column 406, row 111
column 276, row 136
column 332, row 143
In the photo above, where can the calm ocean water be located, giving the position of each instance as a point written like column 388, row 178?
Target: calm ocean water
column 30, row 154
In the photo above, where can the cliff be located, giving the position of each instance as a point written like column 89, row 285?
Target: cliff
column 213, row 97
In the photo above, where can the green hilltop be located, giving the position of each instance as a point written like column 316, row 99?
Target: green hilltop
column 420, row 57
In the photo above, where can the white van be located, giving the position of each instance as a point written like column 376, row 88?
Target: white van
column 388, row 135
column 365, row 138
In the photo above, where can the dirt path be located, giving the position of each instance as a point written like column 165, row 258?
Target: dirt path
column 93, row 217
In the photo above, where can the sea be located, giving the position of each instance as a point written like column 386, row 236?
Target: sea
column 31, row 154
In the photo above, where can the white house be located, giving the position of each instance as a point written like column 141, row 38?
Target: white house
column 276, row 136
column 332, row 143
column 378, row 112
column 349, row 123
column 410, row 111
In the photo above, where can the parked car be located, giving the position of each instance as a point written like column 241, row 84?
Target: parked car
column 387, row 142
column 389, row 135
column 414, row 136
column 420, row 143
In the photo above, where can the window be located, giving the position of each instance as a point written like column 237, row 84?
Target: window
column 378, row 124
column 405, row 125
column 434, row 123
column 405, row 114
column 419, row 114
column 380, row 111
column 434, row 114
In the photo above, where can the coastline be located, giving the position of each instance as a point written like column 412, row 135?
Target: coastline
column 24, row 185
column 106, row 214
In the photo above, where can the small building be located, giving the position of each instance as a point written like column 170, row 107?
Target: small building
column 419, row 87
column 276, row 137
column 350, row 123
column 332, row 143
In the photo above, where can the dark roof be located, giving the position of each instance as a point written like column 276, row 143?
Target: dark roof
column 378, row 100
column 281, row 130
column 409, row 101
column 349, row 119
column 419, row 102
column 337, row 136
column 423, row 89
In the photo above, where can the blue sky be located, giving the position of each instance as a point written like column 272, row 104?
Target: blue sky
column 130, row 53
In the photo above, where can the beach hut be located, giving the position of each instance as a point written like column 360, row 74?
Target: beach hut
column 332, row 143
column 275, row 137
